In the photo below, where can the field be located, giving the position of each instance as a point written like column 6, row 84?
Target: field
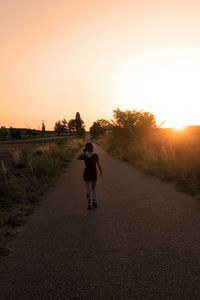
column 8, row 149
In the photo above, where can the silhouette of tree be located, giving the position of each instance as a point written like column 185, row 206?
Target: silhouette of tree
column 125, row 119
column 65, row 125
column 96, row 130
column 72, row 126
column 105, row 124
column 100, row 127
column 43, row 127
column 61, row 126
column 79, row 123
column 133, row 124
column 81, row 131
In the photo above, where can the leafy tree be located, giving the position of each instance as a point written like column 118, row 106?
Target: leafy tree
column 58, row 126
column 65, row 125
column 146, row 123
column 61, row 126
column 130, row 119
column 100, row 127
column 133, row 124
column 96, row 130
column 105, row 124
column 81, row 131
column 126, row 119
column 72, row 125
column 79, row 123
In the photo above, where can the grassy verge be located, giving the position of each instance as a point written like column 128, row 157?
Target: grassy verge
column 24, row 182
column 173, row 157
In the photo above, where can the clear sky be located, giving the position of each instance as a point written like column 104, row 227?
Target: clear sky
column 92, row 56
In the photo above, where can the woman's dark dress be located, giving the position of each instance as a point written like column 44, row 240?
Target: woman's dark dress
column 90, row 172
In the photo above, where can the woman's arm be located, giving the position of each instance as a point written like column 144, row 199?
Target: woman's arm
column 99, row 166
column 82, row 156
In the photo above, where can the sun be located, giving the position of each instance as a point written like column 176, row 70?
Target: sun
column 176, row 123
column 166, row 85
column 179, row 127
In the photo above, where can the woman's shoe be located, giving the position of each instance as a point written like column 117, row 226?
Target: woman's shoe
column 94, row 204
column 89, row 206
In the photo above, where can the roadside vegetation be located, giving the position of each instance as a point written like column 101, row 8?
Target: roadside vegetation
column 25, row 180
column 172, row 155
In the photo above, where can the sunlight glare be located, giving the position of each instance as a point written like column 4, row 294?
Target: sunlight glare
column 166, row 85
column 179, row 127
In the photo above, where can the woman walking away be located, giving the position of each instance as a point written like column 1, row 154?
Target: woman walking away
column 90, row 173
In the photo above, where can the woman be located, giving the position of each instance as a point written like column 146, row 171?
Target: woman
column 90, row 173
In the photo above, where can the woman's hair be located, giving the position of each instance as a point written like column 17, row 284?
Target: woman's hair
column 89, row 147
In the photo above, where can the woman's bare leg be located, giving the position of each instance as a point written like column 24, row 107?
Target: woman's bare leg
column 87, row 186
column 93, row 183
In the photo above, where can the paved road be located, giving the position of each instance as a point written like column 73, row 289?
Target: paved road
column 142, row 242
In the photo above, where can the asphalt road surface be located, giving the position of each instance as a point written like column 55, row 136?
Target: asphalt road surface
column 142, row 242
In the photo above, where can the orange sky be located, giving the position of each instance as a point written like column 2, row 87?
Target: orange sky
column 60, row 57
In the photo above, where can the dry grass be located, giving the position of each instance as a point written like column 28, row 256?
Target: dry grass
column 24, row 182
column 169, row 155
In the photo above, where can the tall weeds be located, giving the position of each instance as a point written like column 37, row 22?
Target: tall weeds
column 172, row 156
column 29, row 176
